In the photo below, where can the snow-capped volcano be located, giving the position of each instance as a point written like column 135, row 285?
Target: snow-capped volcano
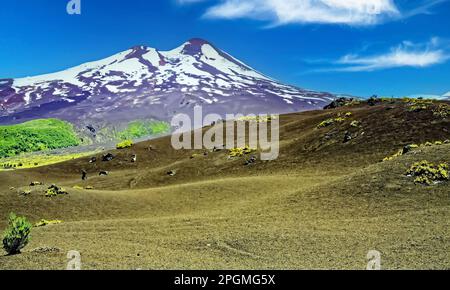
column 144, row 82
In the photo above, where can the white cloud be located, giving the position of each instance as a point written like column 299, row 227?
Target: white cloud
column 346, row 12
column 407, row 54
column 351, row 12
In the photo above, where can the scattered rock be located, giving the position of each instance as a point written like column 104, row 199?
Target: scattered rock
column 408, row 148
column 107, row 157
column 341, row 102
column 91, row 129
column 373, row 101
column 36, row 183
column 217, row 149
column 93, row 160
column 103, row 173
column 45, row 250
column 171, row 173
column 348, row 137
column 25, row 192
column 250, row 161
column 134, row 158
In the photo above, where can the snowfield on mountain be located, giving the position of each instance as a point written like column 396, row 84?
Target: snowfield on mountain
column 143, row 83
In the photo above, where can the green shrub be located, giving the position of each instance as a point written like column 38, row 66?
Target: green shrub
column 417, row 105
column 239, row 152
column 326, row 123
column 399, row 153
column 338, row 119
column 54, row 190
column 124, row 144
column 17, row 234
column 427, row 173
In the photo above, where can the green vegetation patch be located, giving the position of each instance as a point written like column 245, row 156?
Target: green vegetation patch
column 36, row 135
column 55, row 190
column 239, row 152
column 32, row 160
column 338, row 119
column 125, row 144
column 138, row 129
column 258, row 119
column 442, row 110
column 428, row 173
column 44, row 222
column 412, row 147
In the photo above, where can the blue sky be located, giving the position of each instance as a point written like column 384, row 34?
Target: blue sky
column 359, row 47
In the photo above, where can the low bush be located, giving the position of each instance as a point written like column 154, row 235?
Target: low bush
column 43, row 223
column 338, row 119
column 125, row 144
column 54, row 190
column 411, row 147
column 326, row 123
column 427, row 173
column 239, row 152
column 442, row 111
column 17, row 235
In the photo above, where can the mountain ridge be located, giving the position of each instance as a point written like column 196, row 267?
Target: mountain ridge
column 144, row 82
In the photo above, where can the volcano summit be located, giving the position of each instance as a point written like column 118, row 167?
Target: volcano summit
column 143, row 83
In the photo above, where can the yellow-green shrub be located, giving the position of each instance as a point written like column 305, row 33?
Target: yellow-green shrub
column 326, row 123
column 238, row 152
column 442, row 110
column 124, row 144
column 54, row 190
column 427, row 173
column 401, row 152
column 43, row 223
column 17, row 234
column 416, row 105
column 338, row 119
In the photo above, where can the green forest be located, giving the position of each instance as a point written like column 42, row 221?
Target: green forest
column 36, row 135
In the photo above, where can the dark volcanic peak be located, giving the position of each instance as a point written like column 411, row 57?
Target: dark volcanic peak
column 194, row 46
column 143, row 82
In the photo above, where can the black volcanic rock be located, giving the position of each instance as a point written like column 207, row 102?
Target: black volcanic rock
column 340, row 102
